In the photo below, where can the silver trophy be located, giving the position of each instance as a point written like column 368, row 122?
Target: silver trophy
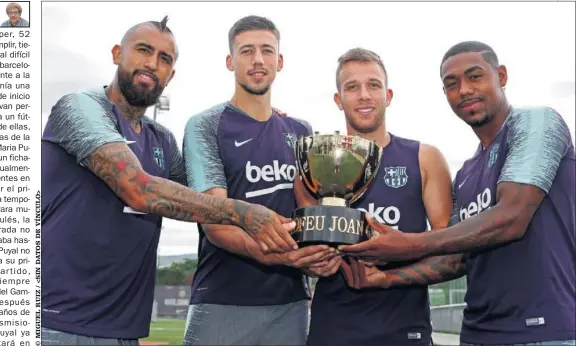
column 336, row 170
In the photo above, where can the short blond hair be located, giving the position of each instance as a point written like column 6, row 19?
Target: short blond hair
column 359, row 54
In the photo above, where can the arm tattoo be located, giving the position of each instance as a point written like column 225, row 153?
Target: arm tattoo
column 428, row 271
column 119, row 168
column 505, row 222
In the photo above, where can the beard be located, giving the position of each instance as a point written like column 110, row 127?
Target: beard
column 253, row 91
column 137, row 95
column 486, row 116
column 480, row 122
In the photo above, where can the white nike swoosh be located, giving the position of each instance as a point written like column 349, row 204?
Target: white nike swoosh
column 461, row 184
column 238, row 144
column 130, row 142
column 129, row 210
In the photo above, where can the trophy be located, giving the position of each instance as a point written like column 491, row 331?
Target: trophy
column 336, row 170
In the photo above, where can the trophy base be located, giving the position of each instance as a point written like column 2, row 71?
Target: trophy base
column 330, row 225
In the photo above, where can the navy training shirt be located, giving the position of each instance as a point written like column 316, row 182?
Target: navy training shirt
column 255, row 162
column 98, row 256
column 341, row 315
column 523, row 291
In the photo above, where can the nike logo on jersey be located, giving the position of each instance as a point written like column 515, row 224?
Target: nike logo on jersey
column 129, row 210
column 128, row 142
column 238, row 144
column 463, row 182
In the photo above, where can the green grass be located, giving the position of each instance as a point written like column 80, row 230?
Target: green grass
column 169, row 330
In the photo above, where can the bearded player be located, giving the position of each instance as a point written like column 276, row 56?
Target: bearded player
column 515, row 208
column 412, row 186
column 109, row 175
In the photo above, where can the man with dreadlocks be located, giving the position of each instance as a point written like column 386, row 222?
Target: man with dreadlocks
column 109, row 175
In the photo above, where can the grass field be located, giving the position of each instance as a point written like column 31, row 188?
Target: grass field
column 166, row 331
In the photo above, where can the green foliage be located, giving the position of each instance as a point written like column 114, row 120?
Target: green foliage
column 176, row 273
column 454, row 292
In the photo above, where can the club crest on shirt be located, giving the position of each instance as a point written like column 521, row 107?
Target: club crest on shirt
column 493, row 155
column 290, row 139
column 396, row 177
column 158, row 155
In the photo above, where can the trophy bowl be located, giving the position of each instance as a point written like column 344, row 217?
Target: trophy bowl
column 336, row 170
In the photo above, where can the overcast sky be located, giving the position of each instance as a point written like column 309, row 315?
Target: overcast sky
column 536, row 41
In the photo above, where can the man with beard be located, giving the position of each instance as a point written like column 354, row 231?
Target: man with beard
column 514, row 235
column 109, row 175
column 412, row 185
column 245, row 150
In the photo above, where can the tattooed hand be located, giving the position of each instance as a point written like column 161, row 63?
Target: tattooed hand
column 268, row 229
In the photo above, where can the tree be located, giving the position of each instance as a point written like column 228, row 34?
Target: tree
column 176, row 273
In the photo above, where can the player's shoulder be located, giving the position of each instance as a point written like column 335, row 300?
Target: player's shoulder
column 405, row 142
column 533, row 125
column 533, row 117
column 159, row 128
column 88, row 98
column 85, row 105
column 429, row 151
column 209, row 117
column 296, row 122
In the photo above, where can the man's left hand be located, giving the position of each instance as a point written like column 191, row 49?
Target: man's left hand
column 389, row 245
column 324, row 269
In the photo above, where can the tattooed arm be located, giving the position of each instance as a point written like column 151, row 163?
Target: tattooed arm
column 439, row 202
column 120, row 169
column 537, row 140
column 235, row 240
column 428, row 271
column 84, row 126
column 438, row 199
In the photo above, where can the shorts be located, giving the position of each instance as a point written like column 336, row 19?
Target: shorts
column 212, row 324
column 54, row 337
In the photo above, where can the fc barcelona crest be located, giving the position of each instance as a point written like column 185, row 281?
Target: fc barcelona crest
column 493, row 155
column 290, row 139
column 396, row 177
column 158, row 155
